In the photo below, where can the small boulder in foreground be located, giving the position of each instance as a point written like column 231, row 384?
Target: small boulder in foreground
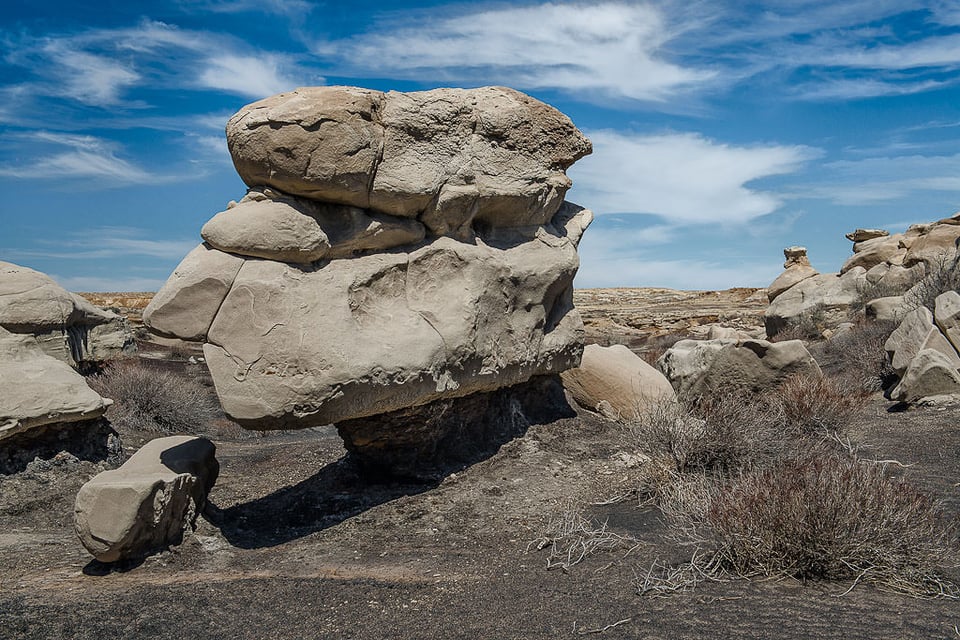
column 148, row 502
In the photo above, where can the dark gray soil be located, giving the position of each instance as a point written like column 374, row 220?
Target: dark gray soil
column 297, row 544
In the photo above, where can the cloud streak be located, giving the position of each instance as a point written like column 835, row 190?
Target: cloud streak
column 76, row 157
column 682, row 178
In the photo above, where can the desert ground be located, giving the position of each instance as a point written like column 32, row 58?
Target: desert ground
column 296, row 543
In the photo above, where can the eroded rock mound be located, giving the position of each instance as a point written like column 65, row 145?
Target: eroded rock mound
column 40, row 312
column 394, row 250
column 149, row 502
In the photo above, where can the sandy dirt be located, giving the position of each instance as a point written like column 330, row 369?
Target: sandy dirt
column 295, row 543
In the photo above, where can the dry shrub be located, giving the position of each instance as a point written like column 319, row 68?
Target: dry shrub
column 809, row 325
column 813, row 405
column 826, row 516
column 570, row 538
column 857, row 356
column 942, row 275
column 148, row 398
column 724, row 432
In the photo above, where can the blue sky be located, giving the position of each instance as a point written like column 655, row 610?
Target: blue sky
column 723, row 131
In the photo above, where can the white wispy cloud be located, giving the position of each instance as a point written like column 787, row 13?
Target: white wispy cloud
column 100, row 67
column 683, row 178
column 106, row 242
column 76, row 157
column 882, row 179
column 616, row 49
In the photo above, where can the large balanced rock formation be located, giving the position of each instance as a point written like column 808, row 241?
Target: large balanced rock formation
column 62, row 324
column 796, row 268
column 149, row 502
column 394, row 250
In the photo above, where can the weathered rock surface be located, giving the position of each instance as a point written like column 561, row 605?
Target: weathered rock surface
column 916, row 333
column 886, row 309
column 750, row 365
column 829, row 295
column 866, row 234
column 450, row 157
column 267, row 224
column 394, row 250
column 869, row 253
column 149, row 502
column 947, row 316
column 790, row 277
column 38, row 389
column 616, row 382
column 446, row 320
column 187, row 303
column 60, row 323
column 930, row 373
column 937, row 243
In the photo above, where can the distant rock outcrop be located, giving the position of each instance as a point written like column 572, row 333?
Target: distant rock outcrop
column 706, row 367
column 393, row 250
column 38, row 311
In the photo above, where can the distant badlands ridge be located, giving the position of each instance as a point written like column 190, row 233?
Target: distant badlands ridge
column 628, row 315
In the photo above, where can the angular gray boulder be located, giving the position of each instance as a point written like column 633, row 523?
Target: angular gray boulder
column 828, row 295
column 929, row 373
column 916, row 333
column 149, row 502
column 394, row 251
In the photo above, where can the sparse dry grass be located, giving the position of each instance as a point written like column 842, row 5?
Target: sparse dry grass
column 942, row 275
column 148, row 398
column 817, row 405
column 857, row 358
column 570, row 537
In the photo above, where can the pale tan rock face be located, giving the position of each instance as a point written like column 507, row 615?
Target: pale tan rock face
column 60, row 323
column 916, row 333
column 448, row 156
column 616, row 382
column 930, row 373
column 39, row 389
column 939, row 241
column 878, row 250
column 791, row 276
column 861, row 235
column 187, row 303
column 295, row 347
column 828, row 294
column 149, row 502
column 947, row 316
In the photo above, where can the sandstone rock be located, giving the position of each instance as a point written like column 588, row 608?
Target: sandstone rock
column 448, row 319
column 687, row 361
column 720, row 366
column 886, row 309
column 930, row 373
column 720, row 333
column 866, row 234
column 618, row 379
column 187, row 303
column 795, row 256
column 828, row 295
column 39, row 390
column 899, row 278
column 790, row 277
column 947, row 316
column 148, row 502
column 875, row 273
column 870, row 253
column 450, row 156
column 62, row 324
column 916, row 333
column 938, row 243
column 275, row 229
column 266, row 224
